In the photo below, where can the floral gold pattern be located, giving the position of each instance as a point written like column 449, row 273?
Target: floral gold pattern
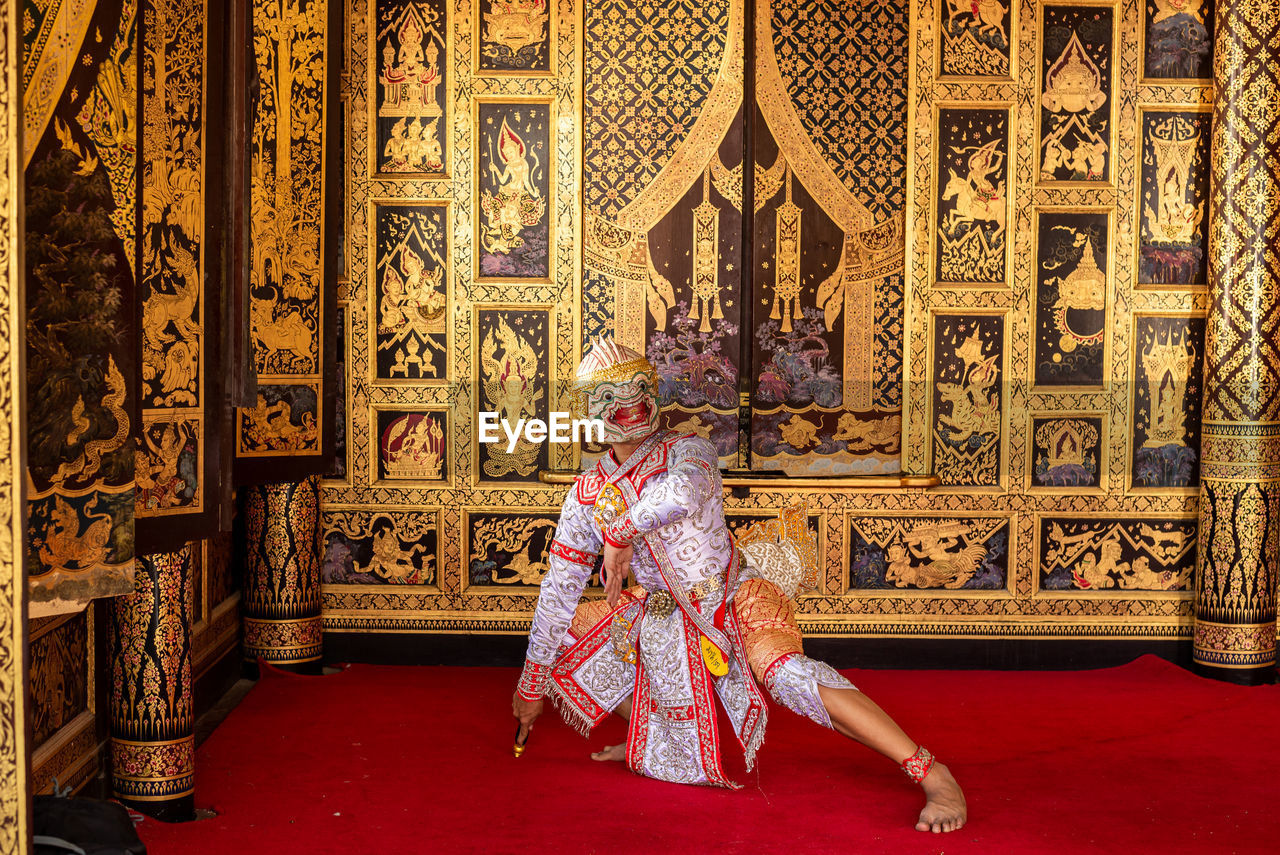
column 152, row 706
column 1240, row 440
column 282, row 576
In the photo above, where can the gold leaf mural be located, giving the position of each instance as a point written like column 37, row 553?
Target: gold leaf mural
column 287, row 300
column 170, row 459
column 882, row 265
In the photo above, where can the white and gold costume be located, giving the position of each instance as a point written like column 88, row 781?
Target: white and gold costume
column 704, row 620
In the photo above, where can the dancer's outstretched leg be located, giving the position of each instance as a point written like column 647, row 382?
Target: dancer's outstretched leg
column 858, row 717
column 772, row 645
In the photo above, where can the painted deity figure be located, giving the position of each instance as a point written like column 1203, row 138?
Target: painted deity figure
column 413, row 147
column 410, row 76
column 708, row 618
column 411, row 295
column 517, row 204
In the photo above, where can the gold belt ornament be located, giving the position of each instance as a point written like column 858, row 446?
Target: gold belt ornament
column 620, row 635
column 660, row 604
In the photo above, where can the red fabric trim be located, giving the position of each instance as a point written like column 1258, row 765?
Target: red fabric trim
column 587, row 485
column 703, row 712
column 917, row 766
column 638, row 723
column 656, row 463
column 621, row 531
column 582, row 650
column 684, row 713
column 573, row 556
column 704, row 707
column 757, row 712
column 768, row 672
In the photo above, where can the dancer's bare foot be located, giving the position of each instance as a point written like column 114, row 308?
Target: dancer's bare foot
column 944, row 808
column 617, row 752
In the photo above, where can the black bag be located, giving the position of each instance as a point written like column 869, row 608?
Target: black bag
column 83, row 827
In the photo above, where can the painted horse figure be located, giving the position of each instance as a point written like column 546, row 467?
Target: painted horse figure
column 987, row 15
column 976, row 198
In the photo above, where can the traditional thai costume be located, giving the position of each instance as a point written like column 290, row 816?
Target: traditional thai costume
column 708, row 618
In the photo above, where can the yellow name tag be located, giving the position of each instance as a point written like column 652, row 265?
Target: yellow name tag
column 711, row 655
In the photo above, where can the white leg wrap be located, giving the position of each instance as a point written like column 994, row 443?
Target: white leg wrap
column 794, row 683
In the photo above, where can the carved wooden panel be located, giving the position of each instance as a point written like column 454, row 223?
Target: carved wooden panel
column 81, row 250
column 293, row 276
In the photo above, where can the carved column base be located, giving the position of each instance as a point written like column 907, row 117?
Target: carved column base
column 1235, row 629
column 152, row 706
column 281, row 604
column 1239, row 653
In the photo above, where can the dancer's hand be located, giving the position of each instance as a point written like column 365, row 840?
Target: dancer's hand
column 526, row 712
column 617, row 564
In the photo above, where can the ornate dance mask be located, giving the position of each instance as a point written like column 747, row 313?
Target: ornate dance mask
column 619, row 387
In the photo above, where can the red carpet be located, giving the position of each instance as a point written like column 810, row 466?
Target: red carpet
column 1142, row 758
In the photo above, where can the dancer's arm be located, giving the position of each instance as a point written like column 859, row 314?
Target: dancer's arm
column 693, row 479
column 570, row 562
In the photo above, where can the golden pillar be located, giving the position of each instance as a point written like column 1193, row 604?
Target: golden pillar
column 1235, row 629
column 282, row 574
column 152, row 708
column 15, row 751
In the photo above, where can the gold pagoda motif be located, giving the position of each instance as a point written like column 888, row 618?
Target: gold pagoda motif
column 1170, row 217
column 1084, row 288
column 1067, row 442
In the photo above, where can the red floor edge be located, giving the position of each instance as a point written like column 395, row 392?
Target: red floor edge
column 1141, row 758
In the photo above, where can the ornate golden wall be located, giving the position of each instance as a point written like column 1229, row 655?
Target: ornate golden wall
column 455, row 114
column 999, row 278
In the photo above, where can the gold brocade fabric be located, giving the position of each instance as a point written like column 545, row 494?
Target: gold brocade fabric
column 768, row 623
column 591, row 612
column 766, row 617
